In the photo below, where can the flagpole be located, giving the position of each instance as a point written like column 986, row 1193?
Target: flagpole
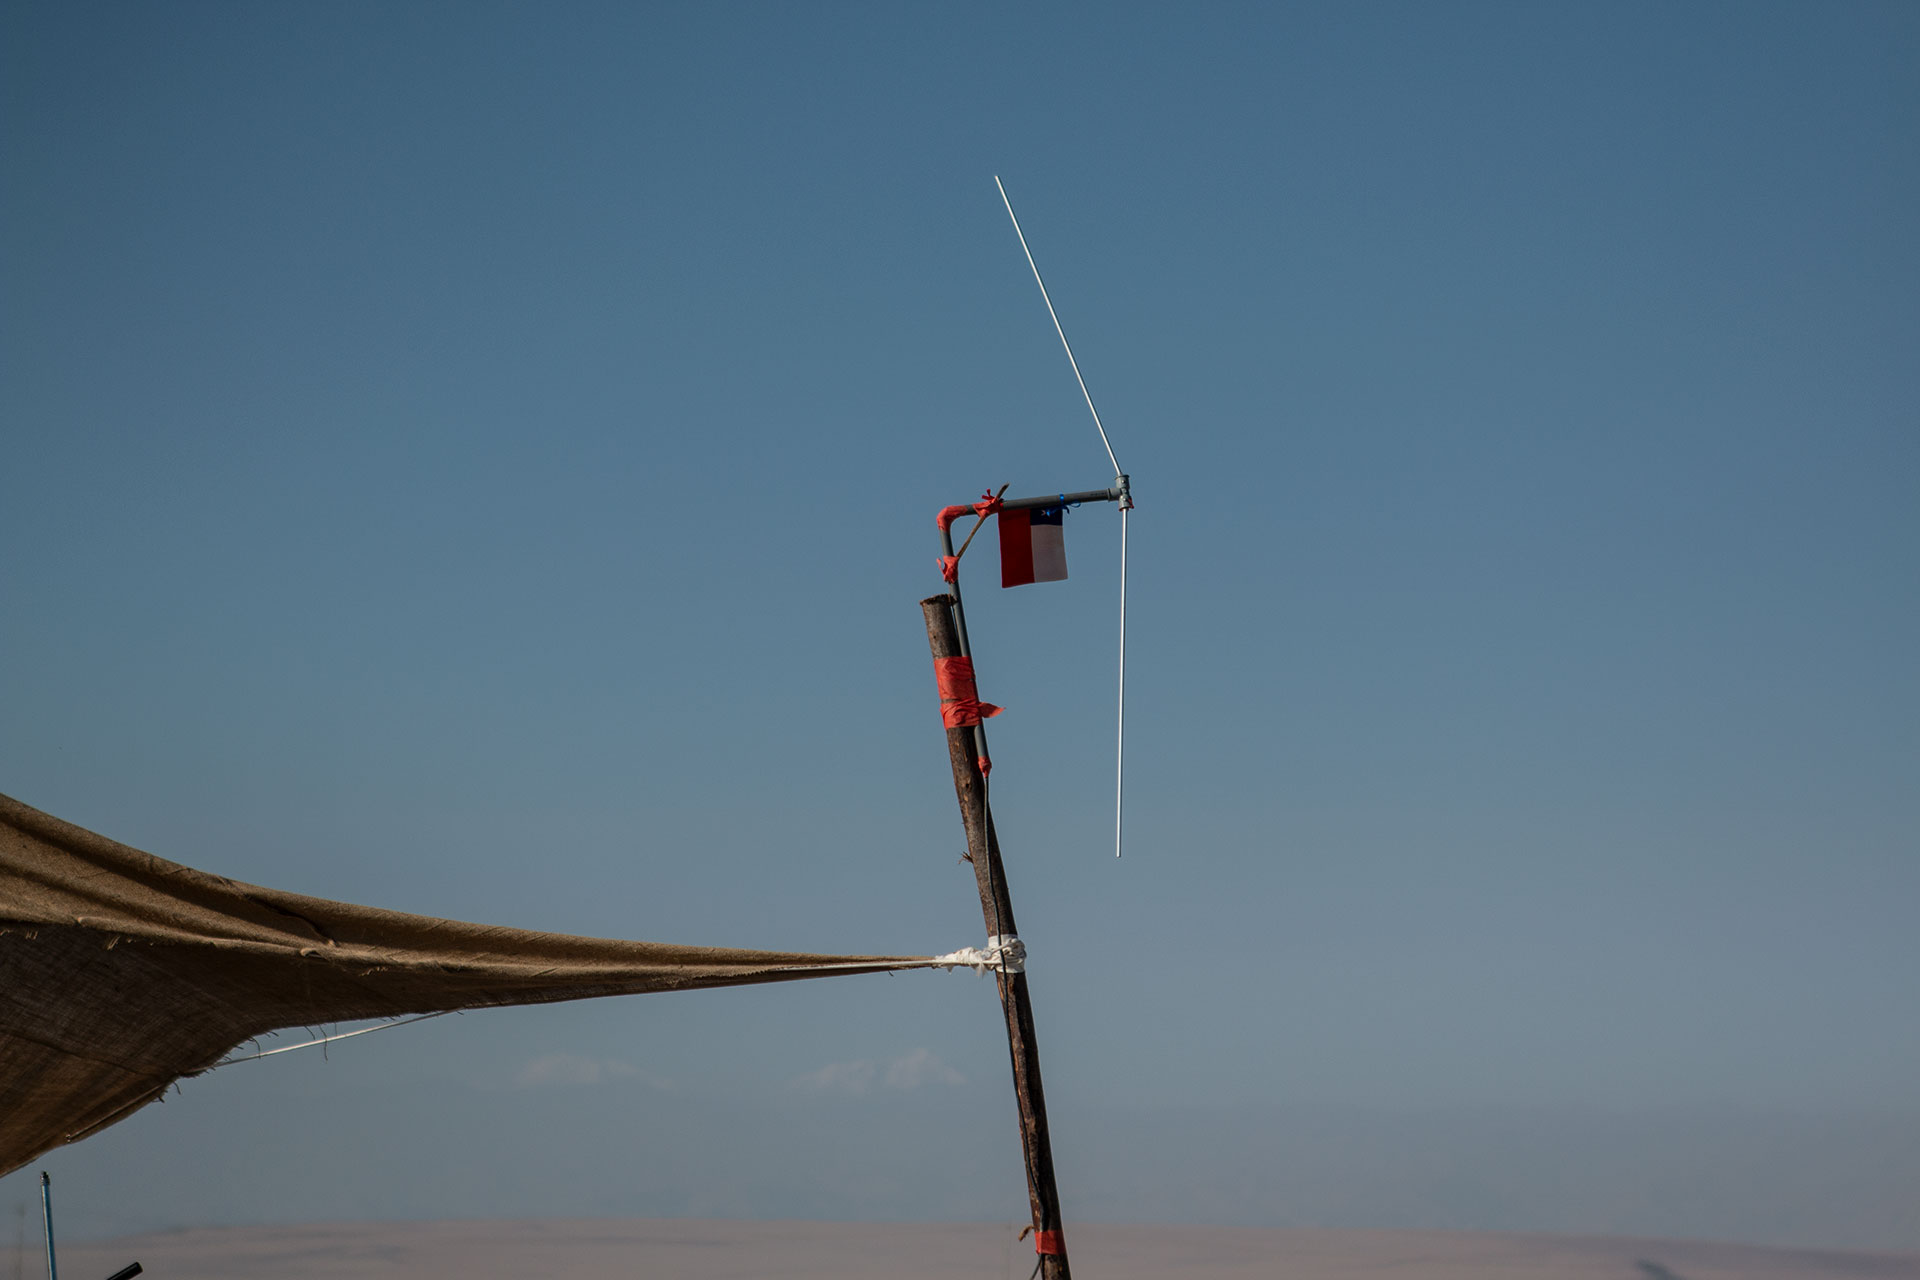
column 1117, row 492
column 1121, row 491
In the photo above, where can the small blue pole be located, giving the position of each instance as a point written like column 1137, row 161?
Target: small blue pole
column 46, row 1213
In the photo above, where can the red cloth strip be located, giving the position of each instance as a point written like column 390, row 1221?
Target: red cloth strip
column 1048, row 1242
column 949, row 514
column 950, row 568
column 989, row 504
column 960, row 705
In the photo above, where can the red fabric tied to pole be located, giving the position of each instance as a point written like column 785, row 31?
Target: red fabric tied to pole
column 950, row 568
column 960, row 705
column 1048, row 1242
column 949, row 514
column 988, row 505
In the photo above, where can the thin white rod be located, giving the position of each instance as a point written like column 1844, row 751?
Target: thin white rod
column 1120, row 748
column 343, row 1035
column 1048, row 299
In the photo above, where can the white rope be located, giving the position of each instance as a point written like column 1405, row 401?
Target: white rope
column 1000, row 955
column 343, row 1035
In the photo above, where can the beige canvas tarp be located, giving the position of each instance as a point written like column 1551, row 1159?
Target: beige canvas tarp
column 121, row 972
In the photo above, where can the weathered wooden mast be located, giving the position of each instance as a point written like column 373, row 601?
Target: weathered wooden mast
column 966, row 749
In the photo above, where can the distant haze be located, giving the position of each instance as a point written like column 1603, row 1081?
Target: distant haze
column 879, row 1141
column 694, row 1250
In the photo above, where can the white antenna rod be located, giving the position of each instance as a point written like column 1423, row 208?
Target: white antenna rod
column 1120, row 747
column 1126, row 504
column 1048, row 299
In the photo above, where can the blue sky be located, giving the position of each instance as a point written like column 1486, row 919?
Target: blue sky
column 480, row 459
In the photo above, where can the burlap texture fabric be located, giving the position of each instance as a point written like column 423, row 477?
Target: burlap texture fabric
column 121, row 972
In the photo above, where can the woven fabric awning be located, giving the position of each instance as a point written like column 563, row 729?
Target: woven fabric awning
column 121, row 972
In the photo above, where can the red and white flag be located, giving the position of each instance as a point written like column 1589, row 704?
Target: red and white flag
column 1033, row 546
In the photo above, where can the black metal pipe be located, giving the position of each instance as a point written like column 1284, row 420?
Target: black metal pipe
column 1056, row 499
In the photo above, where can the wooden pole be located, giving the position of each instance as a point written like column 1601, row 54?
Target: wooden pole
column 996, row 906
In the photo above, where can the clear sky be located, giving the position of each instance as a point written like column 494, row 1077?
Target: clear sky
column 480, row 459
